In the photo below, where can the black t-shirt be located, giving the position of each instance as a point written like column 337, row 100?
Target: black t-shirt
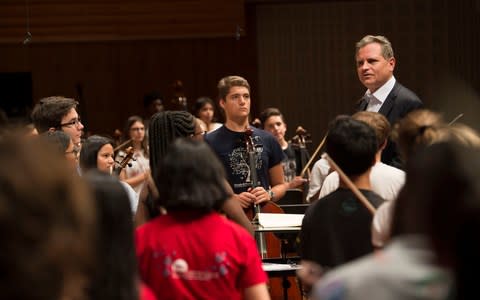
column 337, row 228
column 231, row 150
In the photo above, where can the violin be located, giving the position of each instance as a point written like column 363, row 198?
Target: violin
column 125, row 161
column 301, row 139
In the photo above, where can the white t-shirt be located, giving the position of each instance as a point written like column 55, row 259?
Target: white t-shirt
column 386, row 181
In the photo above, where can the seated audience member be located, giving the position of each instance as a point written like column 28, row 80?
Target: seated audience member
column 97, row 154
column 138, row 169
column 336, row 229
column 58, row 113
column 386, row 180
column 46, row 220
column 407, row 268
column 116, row 274
column 165, row 128
column 204, row 109
column 192, row 252
column 272, row 121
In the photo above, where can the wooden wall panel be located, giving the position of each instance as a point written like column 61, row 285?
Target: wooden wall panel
column 89, row 20
column 114, row 76
column 306, row 53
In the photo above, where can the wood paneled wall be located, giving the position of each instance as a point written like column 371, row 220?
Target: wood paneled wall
column 306, row 54
column 106, row 20
column 113, row 76
column 296, row 56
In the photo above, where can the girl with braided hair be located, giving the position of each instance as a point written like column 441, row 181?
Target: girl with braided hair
column 164, row 129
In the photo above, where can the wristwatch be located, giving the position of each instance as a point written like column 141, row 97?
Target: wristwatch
column 271, row 194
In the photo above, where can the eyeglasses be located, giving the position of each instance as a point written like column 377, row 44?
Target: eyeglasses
column 75, row 122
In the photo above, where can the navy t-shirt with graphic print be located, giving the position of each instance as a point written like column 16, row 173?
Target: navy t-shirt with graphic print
column 230, row 148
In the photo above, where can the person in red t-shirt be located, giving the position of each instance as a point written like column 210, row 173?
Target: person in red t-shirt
column 192, row 252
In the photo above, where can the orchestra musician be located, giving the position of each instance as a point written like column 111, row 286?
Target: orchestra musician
column 97, row 154
column 58, row 113
column 204, row 109
column 336, row 228
column 192, row 252
column 274, row 122
column 138, row 169
column 165, row 127
column 228, row 142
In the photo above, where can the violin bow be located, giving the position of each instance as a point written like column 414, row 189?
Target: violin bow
column 455, row 120
column 122, row 145
column 350, row 185
column 307, row 165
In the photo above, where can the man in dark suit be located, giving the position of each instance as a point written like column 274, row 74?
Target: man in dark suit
column 375, row 64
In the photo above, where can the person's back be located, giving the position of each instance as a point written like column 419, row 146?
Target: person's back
column 336, row 229
column 190, row 255
column 192, row 252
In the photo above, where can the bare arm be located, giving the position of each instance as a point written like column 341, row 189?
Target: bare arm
column 279, row 187
column 257, row 292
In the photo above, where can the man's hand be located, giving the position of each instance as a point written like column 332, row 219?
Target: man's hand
column 261, row 195
column 246, row 199
column 296, row 182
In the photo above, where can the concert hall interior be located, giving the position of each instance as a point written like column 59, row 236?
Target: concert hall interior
column 144, row 74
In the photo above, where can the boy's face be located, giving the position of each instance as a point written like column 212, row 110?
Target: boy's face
column 237, row 103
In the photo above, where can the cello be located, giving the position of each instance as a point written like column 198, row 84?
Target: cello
column 269, row 245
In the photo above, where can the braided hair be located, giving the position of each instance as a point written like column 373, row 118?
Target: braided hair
column 163, row 129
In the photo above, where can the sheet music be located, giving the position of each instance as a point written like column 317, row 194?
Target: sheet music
column 268, row 267
column 280, row 220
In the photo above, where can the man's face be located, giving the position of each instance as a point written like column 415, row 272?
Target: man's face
column 276, row 126
column 72, row 126
column 237, row 103
column 372, row 68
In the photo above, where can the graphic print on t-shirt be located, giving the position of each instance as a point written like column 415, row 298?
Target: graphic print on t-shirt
column 176, row 267
column 238, row 161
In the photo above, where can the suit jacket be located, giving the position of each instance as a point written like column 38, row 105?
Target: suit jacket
column 398, row 103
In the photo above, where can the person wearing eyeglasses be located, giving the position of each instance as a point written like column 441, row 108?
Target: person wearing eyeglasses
column 136, row 172
column 63, row 143
column 58, row 113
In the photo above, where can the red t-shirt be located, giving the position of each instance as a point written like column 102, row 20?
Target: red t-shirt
column 146, row 293
column 190, row 256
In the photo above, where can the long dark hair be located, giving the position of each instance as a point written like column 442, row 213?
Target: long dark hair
column 191, row 177
column 115, row 275
column 89, row 152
